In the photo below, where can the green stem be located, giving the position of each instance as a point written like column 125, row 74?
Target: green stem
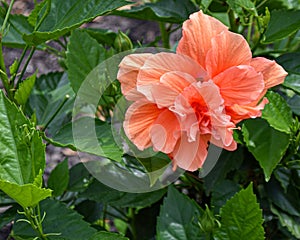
column 249, row 33
column 35, row 223
column 232, row 21
column 132, row 223
column 165, row 36
column 57, row 111
column 19, row 64
column 44, row 16
column 6, row 17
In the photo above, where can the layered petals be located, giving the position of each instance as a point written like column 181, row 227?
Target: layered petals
column 197, row 33
column 240, row 85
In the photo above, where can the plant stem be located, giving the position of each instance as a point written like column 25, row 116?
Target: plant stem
column 249, row 33
column 19, row 64
column 35, row 222
column 6, row 17
column 165, row 36
column 232, row 21
column 132, row 223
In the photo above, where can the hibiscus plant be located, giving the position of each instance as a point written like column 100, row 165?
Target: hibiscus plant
column 186, row 137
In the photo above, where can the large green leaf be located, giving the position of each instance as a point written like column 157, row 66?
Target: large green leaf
column 27, row 195
column 83, row 55
column 59, row 219
column 241, row 218
column 265, row 143
column 178, row 218
column 107, row 236
column 282, row 24
column 294, row 104
column 23, row 153
column 292, row 82
column 277, row 113
column 173, row 11
column 18, row 25
column 65, row 16
column 99, row 192
column 47, row 95
column 59, row 178
column 105, row 146
column 290, row 62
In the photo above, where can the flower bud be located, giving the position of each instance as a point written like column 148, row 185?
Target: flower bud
column 122, row 42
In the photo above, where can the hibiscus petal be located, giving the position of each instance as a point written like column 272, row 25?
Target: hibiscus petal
column 159, row 64
column 127, row 74
column 139, row 118
column 239, row 113
column 197, row 34
column 170, row 86
column 228, row 49
column 165, row 132
column 272, row 72
column 190, row 155
column 240, row 85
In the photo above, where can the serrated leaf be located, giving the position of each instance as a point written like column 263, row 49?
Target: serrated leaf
column 161, row 11
column 293, row 82
column 87, row 131
column 59, row 178
column 83, row 55
column 27, row 195
column 13, row 67
column 65, row 16
column 99, row 192
column 107, row 236
column 23, row 154
column 59, row 219
column 34, row 15
column 292, row 223
column 241, row 218
column 282, row 24
column 18, row 26
column 178, row 218
column 265, row 143
column 23, row 92
column 277, row 113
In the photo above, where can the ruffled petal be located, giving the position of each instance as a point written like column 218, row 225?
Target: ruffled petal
column 228, row 49
column 165, row 132
column 159, row 64
column 127, row 74
column 239, row 113
column 197, row 33
column 139, row 118
column 240, row 85
column 272, row 72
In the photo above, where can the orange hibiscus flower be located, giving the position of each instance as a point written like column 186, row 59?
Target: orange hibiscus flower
column 183, row 101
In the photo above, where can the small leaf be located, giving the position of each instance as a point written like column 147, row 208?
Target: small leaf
column 23, row 92
column 27, row 195
column 178, row 218
column 265, row 143
column 59, row 220
column 277, row 113
column 13, row 67
column 65, row 16
column 282, row 24
column 34, row 15
column 107, row 236
column 161, row 11
column 59, row 178
column 241, row 218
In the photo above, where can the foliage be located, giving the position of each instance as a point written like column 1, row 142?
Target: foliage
column 251, row 193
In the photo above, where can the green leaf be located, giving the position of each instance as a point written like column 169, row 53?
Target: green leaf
column 103, row 36
column 282, row 24
column 290, row 62
column 23, row 153
column 292, row 223
column 65, row 16
column 8, row 215
column 294, row 104
column 105, row 146
column 79, row 178
column 99, row 192
column 277, row 113
column 161, row 11
column 59, row 178
column 83, row 55
column 59, row 219
column 107, row 236
column 239, row 6
column 178, row 218
column 293, row 82
column 27, row 195
column 47, row 95
column 18, row 25
column 23, row 92
column 241, row 217
column 34, row 15
column 265, row 143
